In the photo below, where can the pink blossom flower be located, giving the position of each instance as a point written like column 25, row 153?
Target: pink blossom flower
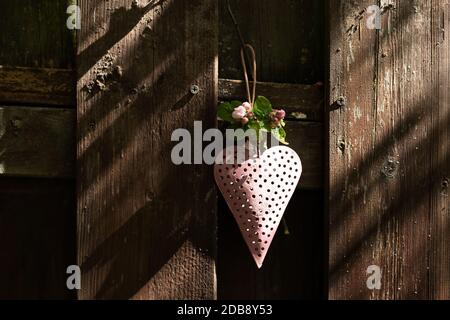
column 247, row 106
column 280, row 114
column 244, row 121
column 238, row 113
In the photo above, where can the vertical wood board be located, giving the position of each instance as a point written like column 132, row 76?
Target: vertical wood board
column 146, row 228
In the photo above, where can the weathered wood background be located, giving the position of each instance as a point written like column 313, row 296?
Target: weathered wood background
column 387, row 120
column 288, row 39
column 389, row 148
column 37, row 93
column 37, row 189
column 146, row 228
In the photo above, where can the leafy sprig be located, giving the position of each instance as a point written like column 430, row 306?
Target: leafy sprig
column 260, row 117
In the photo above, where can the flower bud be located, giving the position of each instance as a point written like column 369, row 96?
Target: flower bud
column 244, row 121
column 247, row 106
column 280, row 114
column 238, row 113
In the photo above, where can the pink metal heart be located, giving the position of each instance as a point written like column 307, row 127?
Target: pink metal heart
column 257, row 192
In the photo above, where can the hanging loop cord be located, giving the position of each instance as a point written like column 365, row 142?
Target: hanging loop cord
column 251, row 97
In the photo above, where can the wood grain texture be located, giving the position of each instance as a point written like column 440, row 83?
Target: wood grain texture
column 146, row 228
column 35, row 34
column 301, row 102
column 388, row 149
column 306, row 138
column 37, row 237
column 439, row 254
column 50, row 87
column 40, row 142
column 37, row 215
column 287, row 36
column 37, row 142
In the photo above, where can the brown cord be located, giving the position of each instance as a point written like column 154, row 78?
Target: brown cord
column 251, row 98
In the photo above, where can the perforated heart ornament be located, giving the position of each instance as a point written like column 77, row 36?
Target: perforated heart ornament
column 257, row 192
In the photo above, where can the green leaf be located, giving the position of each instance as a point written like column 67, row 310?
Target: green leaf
column 280, row 134
column 262, row 107
column 265, row 125
column 254, row 125
column 235, row 103
column 224, row 111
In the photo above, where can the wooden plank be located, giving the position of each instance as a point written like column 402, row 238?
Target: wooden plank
column 35, row 34
column 56, row 87
column 440, row 155
column 287, row 37
column 303, row 102
column 388, row 151
column 306, row 138
column 50, row 87
column 37, row 238
column 146, row 228
column 37, row 142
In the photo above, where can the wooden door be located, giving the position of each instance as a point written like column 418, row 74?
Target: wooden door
column 389, row 149
column 146, row 228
